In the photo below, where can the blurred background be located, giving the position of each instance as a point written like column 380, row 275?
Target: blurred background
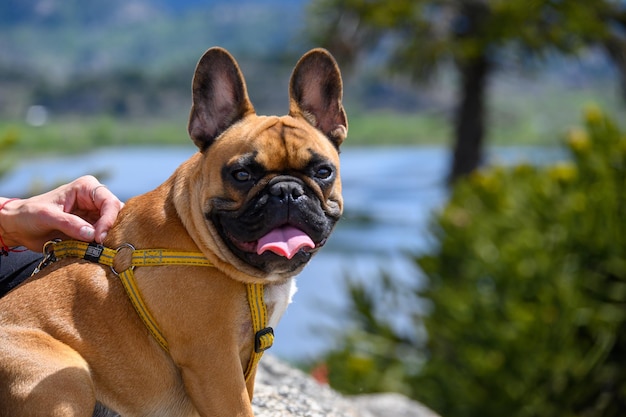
column 481, row 263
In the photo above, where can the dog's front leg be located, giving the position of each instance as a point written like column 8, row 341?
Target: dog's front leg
column 218, row 388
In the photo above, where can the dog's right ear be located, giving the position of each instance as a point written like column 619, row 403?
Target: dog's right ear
column 219, row 95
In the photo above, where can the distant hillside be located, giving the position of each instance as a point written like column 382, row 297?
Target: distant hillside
column 135, row 58
column 128, row 56
column 61, row 37
column 101, row 12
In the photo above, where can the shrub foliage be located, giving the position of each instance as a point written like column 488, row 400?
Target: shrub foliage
column 8, row 140
column 524, row 312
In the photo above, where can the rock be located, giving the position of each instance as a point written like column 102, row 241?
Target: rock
column 387, row 405
column 282, row 391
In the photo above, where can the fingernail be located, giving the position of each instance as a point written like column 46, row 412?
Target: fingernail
column 87, row 232
column 103, row 236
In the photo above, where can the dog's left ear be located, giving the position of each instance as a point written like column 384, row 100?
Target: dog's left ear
column 220, row 97
column 315, row 93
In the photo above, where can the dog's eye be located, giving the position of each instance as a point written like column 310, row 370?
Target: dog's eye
column 324, row 172
column 241, row 175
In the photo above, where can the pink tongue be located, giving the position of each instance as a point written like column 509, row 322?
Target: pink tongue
column 284, row 241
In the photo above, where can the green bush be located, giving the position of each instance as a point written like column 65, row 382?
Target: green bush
column 524, row 313
column 8, row 139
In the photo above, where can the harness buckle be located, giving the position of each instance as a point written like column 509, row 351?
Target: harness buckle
column 93, row 252
column 263, row 339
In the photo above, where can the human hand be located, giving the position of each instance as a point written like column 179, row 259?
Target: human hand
column 84, row 209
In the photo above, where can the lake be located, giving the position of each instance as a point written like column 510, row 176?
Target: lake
column 394, row 188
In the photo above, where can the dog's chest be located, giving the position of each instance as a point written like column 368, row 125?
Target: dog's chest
column 277, row 298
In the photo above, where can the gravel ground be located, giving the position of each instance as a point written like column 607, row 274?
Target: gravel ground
column 281, row 391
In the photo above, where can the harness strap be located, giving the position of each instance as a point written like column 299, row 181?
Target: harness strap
column 127, row 278
column 263, row 335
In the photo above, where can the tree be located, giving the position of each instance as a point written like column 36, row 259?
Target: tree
column 474, row 35
column 615, row 44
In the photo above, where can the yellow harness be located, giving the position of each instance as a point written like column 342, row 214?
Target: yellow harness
column 54, row 250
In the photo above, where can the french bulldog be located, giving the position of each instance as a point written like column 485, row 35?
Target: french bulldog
column 258, row 200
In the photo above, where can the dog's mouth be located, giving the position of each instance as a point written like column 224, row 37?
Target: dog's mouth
column 282, row 249
column 285, row 241
column 273, row 238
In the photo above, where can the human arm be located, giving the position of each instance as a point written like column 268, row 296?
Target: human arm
column 83, row 209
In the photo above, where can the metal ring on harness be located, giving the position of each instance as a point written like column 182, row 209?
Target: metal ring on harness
column 122, row 246
column 47, row 249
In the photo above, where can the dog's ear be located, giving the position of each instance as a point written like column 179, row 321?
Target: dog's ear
column 220, row 97
column 315, row 93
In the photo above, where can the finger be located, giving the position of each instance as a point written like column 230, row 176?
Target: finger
column 109, row 210
column 105, row 194
column 80, row 193
column 74, row 227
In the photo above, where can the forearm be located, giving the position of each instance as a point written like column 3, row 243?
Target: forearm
column 8, row 217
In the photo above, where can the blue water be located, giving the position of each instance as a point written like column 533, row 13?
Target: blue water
column 397, row 188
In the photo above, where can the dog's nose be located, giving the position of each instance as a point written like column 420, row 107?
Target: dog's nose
column 286, row 190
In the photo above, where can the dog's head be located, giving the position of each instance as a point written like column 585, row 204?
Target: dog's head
column 270, row 188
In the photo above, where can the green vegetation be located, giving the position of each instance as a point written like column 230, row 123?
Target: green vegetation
column 537, row 113
column 7, row 141
column 76, row 135
column 524, row 309
column 389, row 128
column 519, row 118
